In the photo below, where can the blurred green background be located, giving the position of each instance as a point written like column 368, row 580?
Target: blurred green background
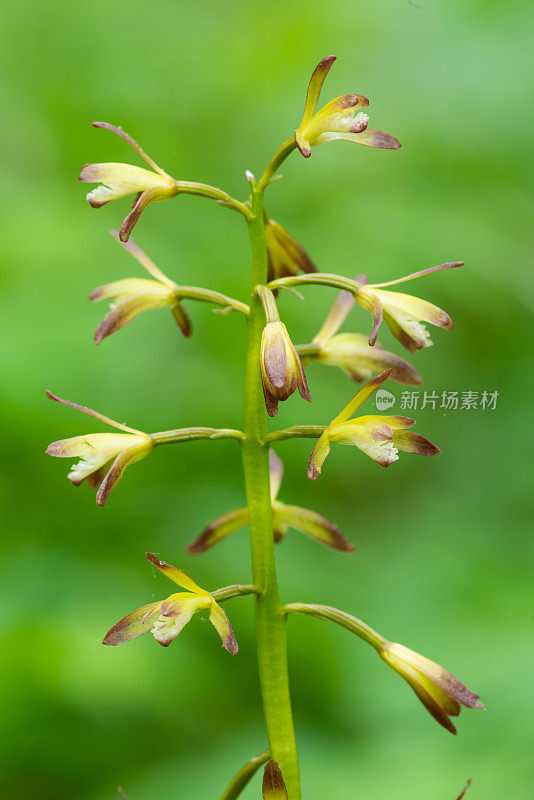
column 444, row 554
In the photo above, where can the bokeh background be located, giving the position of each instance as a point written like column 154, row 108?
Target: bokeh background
column 444, row 552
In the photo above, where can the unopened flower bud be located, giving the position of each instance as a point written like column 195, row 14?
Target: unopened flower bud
column 440, row 692
column 285, row 255
column 281, row 370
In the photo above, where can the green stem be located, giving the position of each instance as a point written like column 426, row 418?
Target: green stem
column 211, row 192
column 192, row 434
column 295, row 432
column 269, row 620
column 236, row 590
column 347, row 621
column 280, row 156
column 318, row 278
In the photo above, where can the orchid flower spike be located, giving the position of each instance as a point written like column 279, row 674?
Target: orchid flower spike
column 132, row 296
column 441, row 693
column 351, row 352
column 117, row 180
column 403, row 313
column 379, row 437
column 166, row 618
column 310, row 523
column 281, row 370
column 285, row 255
column 341, row 118
column 103, row 456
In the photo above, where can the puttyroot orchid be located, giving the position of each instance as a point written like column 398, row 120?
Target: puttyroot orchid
column 131, row 296
column 379, row 437
column 166, row 618
column 351, row 352
column 285, row 516
column 103, row 456
column 403, row 313
column 440, row 692
column 285, row 255
column 341, row 118
column 117, row 180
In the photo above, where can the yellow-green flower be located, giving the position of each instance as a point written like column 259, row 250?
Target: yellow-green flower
column 273, row 786
column 166, row 618
column 351, row 352
column 380, row 437
column 103, row 456
column 404, row 313
column 285, row 516
column 341, row 118
column 441, row 693
column 281, row 370
column 131, row 296
column 285, row 255
column 118, row 180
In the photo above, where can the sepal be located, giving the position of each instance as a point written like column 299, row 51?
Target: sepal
column 273, row 786
column 285, row 255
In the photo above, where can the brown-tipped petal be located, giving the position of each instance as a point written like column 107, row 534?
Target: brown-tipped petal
column 182, row 319
column 413, row 307
column 420, row 273
column 221, row 623
column 369, row 137
column 462, row 793
column 127, row 138
column 314, row 88
column 313, row 525
column 352, row 353
column 134, row 624
column 125, row 311
column 123, row 460
column 175, row 574
column 318, row 456
column 218, row 530
column 145, row 198
column 271, row 403
column 91, row 413
column 302, row 383
column 273, row 787
column 410, row 442
column 361, row 396
column 378, row 315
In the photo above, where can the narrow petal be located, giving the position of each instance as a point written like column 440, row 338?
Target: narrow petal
column 312, row 524
column 318, row 456
column 273, row 786
column 314, row 88
column 91, row 413
column 392, row 420
column 369, row 137
column 410, row 442
column 335, row 317
column 221, row 623
column 131, row 142
column 129, row 287
column 462, row 793
column 125, row 311
column 361, row 396
column 144, row 199
column 144, row 260
column 352, row 353
column 218, row 530
column 182, row 319
column 276, row 473
column 133, row 179
column 414, row 307
column 134, row 624
column 420, row 273
column 175, row 575
column 123, row 460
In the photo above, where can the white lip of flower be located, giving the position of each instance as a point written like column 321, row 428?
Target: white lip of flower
column 355, row 124
column 416, row 329
column 387, row 449
column 91, row 463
